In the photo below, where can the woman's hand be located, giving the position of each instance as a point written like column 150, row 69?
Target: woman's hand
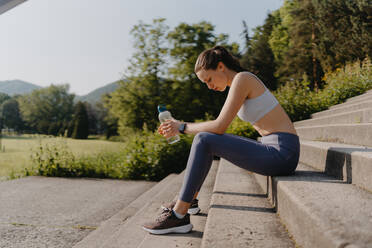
column 169, row 128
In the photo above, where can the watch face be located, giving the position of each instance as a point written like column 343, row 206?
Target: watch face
column 182, row 128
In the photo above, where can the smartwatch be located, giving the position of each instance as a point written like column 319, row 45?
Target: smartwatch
column 182, row 128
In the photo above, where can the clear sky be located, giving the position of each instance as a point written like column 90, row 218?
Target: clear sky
column 86, row 43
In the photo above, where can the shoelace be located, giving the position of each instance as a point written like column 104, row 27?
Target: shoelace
column 166, row 212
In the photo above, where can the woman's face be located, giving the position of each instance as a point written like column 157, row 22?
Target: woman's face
column 215, row 79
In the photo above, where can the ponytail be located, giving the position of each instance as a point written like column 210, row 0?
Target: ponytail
column 209, row 59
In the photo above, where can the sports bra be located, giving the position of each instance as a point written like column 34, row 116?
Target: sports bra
column 254, row 109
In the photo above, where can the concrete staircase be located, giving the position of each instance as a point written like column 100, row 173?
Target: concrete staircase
column 327, row 203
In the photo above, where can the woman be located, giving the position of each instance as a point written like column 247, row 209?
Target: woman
column 276, row 154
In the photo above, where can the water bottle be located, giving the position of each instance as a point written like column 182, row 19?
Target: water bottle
column 164, row 115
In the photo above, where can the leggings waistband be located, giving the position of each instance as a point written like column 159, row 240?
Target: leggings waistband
column 280, row 138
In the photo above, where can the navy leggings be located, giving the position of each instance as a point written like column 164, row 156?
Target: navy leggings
column 276, row 155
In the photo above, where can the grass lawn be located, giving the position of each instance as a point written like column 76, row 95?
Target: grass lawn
column 18, row 149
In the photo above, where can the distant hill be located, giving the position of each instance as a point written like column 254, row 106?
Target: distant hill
column 13, row 87
column 95, row 95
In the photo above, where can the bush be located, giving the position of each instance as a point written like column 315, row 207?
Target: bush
column 150, row 157
column 146, row 156
column 242, row 128
column 56, row 160
column 51, row 160
column 352, row 80
column 300, row 102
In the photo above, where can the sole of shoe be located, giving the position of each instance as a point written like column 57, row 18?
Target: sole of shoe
column 179, row 229
column 191, row 211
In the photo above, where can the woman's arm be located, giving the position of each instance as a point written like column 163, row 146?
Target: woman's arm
column 239, row 90
column 170, row 128
column 207, row 126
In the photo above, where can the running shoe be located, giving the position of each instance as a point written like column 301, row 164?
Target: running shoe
column 168, row 222
column 194, row 207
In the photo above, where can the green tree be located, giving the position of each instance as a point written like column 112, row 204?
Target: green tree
column 162, row 72
column 279, row 38
column 108, row 124
column 258, row 57
column 94, row 122
column 314, row 36
column 134, row 102
column 245, row 34
column 45, row 106
column 301, row 57
column 81, row 122
column 9, row 112
column 4, row 97
column 186, row 43
column 284, row 48
column 345, row 32
column 54, row 127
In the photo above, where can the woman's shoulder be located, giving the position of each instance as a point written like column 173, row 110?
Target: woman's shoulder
column 250, row 78
column 246, row 75
column 254, row 84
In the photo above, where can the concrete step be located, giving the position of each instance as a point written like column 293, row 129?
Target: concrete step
column 240, row 215
column 364, row 96
column 350, row 163
column 347, row 103
column 319, row 210
column 357, row 116
column 357, row 99
column 96, row 238
column 347, row 108
column 356, row 134
column 131, row 234
column 198, row 221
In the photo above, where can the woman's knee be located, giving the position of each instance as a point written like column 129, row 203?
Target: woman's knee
column 204, row 137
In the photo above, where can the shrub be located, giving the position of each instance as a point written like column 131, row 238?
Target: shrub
column 146, row 156
column 56, row 160
column 52, row 160
column 352, row 80
column 300, row 102
column 242, row 128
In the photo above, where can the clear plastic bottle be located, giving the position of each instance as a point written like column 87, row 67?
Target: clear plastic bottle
column 164, row 115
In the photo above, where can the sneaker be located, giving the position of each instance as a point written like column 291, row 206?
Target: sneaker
column 194, row 207
column 168, row 222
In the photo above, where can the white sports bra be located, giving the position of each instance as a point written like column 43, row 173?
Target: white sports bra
column 254, row 109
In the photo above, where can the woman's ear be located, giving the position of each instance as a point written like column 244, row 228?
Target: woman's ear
column 220, row 66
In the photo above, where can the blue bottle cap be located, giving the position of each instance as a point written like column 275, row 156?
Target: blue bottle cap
column 162, row 108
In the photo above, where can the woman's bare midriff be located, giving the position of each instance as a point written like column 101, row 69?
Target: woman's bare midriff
column 276, row 120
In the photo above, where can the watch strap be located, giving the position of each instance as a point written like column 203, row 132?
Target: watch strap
column 182, row 128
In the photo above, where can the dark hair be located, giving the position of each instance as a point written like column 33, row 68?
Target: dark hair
column 209, row 59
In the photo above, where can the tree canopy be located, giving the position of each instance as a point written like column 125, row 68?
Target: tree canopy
column 45, row 106
column 161, row 71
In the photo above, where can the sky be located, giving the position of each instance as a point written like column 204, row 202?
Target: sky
column 87, row 43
